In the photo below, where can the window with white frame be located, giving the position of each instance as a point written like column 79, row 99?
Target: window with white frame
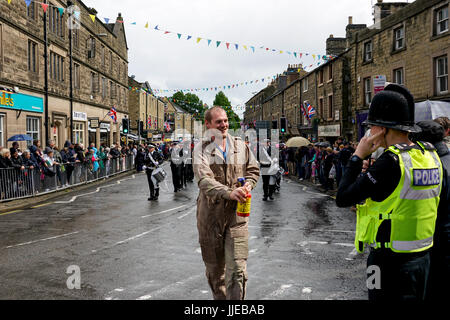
column 442, row 75
column 33, row 129
column 399, row 38
column 398, row 76
column 2, row 130
column 442, row 20
column 367, row 91
column 368, row 51
column 78, row 132
column 305, row 84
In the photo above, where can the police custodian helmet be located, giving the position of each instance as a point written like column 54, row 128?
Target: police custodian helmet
column 393, row 108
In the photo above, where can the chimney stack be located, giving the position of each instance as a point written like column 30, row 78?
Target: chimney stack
column 350, row 20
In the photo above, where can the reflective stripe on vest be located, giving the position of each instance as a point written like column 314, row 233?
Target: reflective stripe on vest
column 410, row 193
column 411, row 245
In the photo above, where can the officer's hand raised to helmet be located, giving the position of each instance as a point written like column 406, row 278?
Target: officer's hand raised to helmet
column 369, row 145
column 238, row 194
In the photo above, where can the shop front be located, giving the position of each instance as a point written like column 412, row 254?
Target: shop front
column 329, row 133
column 20, row 114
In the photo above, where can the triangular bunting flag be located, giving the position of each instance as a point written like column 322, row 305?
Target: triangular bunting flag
column 198, row 40
column 228, row 45
column 166, row 32
column 218, row 43
column 28, row 2
column 188, row 37
column 314, row 56
column 253, row 48
column 156, row 28
column 209, row 42
column 245, row 47
column 44, row 7
column 146, row 25
column 179, row 35
column 9, row 1
column 301, row 54
column 133, row 23
column 61, row 11
column 106, row 20
column 295, row 54
column 92, row 17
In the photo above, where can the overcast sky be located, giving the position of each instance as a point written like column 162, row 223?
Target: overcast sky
column 167, row 62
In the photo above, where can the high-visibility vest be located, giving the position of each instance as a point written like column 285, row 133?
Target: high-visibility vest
column 412, row 206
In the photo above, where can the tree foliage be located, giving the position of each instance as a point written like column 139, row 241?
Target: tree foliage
column 191, row 103
column 233, row 119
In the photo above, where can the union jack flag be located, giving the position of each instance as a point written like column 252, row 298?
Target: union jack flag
column 113, row 114
column 149, row 121
column 311, row 110
column 304, row 111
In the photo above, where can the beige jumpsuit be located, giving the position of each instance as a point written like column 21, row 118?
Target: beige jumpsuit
column 223, row 235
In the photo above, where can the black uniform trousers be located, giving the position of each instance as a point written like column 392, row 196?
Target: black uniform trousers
column 267, row 188
column 177, row 176
column 150, row 183
column 403, row 276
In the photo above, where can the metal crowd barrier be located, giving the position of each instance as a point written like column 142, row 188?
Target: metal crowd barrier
column 16, row 183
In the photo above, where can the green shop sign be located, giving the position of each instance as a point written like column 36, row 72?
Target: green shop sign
column 24, row 102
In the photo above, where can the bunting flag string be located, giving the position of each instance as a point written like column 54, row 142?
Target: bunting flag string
column 298, row 55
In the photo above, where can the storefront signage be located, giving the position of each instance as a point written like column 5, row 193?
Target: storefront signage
column 19, row 101
column 378, row 83
column 79, row 116
column 105, row 125
column 94, row 123
column 329, row 131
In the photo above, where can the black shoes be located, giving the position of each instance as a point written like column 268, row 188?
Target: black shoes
column 265, row 199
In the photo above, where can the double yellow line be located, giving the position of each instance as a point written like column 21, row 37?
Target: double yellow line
column 17, row 211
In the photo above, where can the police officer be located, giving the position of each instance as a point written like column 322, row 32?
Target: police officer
column 400, row 192
column 176, row 166
column 152, row 160
column 219, row 161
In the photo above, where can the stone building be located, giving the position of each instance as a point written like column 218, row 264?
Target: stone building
column 100, row 74
column 181, row 122
column 409, row 45
column 145, row 107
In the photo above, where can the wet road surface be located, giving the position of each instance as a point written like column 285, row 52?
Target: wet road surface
column 301, row 246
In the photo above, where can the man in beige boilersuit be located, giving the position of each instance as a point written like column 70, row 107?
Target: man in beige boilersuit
column 219, row 160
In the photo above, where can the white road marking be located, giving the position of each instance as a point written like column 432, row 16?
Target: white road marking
column 158, row 213
column 129, row 239
column 187, row 213
column 278, row 292
column 351, row 255
column 40, row 240
column 97, row 190
column 253, row 237
column 305, row 229
column 306, row 290
column 344, row 244
column 172, row 286
column 253, row 251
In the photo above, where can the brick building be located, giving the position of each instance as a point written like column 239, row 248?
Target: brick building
column 145, row 107
column 409, row 45
column 100, row 74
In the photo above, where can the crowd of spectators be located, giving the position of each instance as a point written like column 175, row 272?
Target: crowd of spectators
column 321, row 163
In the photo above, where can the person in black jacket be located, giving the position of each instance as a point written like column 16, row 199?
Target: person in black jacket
column 439, row 279
column 27, row 161
column 152, row 161
column 16, row 160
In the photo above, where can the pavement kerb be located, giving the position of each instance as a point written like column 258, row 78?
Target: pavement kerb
column 25, row 203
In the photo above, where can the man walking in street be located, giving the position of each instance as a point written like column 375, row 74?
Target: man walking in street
column 401, row 195
column 152, row 160
column 219, row 161
column 176, row 166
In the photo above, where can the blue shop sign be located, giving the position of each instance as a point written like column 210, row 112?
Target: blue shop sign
column 24, row 102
